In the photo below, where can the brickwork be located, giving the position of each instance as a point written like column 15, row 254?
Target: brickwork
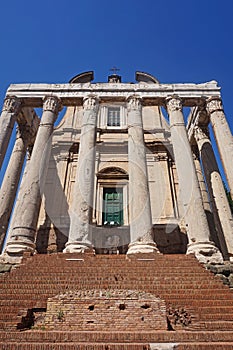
column 105, row 310
column 190, row 292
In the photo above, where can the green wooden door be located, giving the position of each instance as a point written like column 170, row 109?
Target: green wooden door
column 113, row 206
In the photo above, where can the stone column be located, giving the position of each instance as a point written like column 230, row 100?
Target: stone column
column 141, row 227
column 11, row 180
column 223, row 137
column 8, row 117
column 80, row 239
column 221, row 209
column 24, row 221
column 197, row 226
column 205, row 197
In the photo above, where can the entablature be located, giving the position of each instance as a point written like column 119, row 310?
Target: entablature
column 151, row 94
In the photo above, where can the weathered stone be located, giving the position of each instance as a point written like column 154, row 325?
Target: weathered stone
column 199, row 237
column 140, row 219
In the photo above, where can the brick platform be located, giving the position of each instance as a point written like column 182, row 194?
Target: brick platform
column 190, row 293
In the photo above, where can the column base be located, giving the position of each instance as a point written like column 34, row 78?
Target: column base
column 19, row 248
column 205, row 252
column 142, row 248
column 79, row 247
column 13, row 253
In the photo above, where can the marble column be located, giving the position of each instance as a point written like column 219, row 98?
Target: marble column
column 196, row 221
column 25, row 216
column 141, row 228
column 80, row 239
column 223, row 137
column 219, row 201
column 8, row 117
column 11, row 179
column 205, row 197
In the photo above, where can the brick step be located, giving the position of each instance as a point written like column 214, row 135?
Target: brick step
column 205, row 346
column 166, row 275
column 153, row 336
column 44, row 288
column 169, row 298
column 216, row 316
column 181, row 275
column 71, row 346
column 200, row 304
column 119, row 346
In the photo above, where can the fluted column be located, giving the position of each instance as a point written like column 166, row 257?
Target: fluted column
column 25, row 216
column 197, row 226
column 8, row 117
column 220, row 205
column 223, row 137
column 139, row 196
column 80, row 239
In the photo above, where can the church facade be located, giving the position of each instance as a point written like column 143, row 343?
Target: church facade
column 123, row 172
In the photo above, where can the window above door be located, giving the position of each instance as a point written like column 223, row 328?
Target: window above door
column 112, row 116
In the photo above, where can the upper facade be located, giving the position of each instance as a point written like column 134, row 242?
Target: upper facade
column 121, row 172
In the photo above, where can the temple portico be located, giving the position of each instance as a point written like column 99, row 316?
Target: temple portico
column 124, row 172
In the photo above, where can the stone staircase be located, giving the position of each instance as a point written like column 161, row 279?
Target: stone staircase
column 179, row 280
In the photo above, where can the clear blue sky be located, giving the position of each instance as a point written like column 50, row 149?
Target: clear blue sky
column 177, row 41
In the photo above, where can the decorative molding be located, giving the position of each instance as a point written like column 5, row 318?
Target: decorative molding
column 12, row 104
column 173, row 103
column 52, row 104
column 214, row 104
column 112, row 172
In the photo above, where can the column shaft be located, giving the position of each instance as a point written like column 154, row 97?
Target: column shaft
column 25, row 218
column 141, row 227
column 80, row 239
column 205, row 197
column 197, row 225
column 223, row 137
column 10, row 183
column 8, row 117
column 220, row 205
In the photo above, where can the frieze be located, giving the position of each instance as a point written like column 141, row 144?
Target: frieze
column 69, row 93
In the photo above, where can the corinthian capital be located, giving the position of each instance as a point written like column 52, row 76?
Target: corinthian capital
column 91, row 103
column 11, row 104
column 201, row 133
column 173, row 104
column 214, row 104
column 134, row 103
column 52, row 104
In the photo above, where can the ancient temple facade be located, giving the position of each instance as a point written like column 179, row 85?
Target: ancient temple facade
column 122, row 172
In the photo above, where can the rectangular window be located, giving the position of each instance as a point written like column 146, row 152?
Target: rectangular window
column 113, row 116
column 113, row 206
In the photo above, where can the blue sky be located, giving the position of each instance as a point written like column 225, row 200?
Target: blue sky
column 177, row 41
